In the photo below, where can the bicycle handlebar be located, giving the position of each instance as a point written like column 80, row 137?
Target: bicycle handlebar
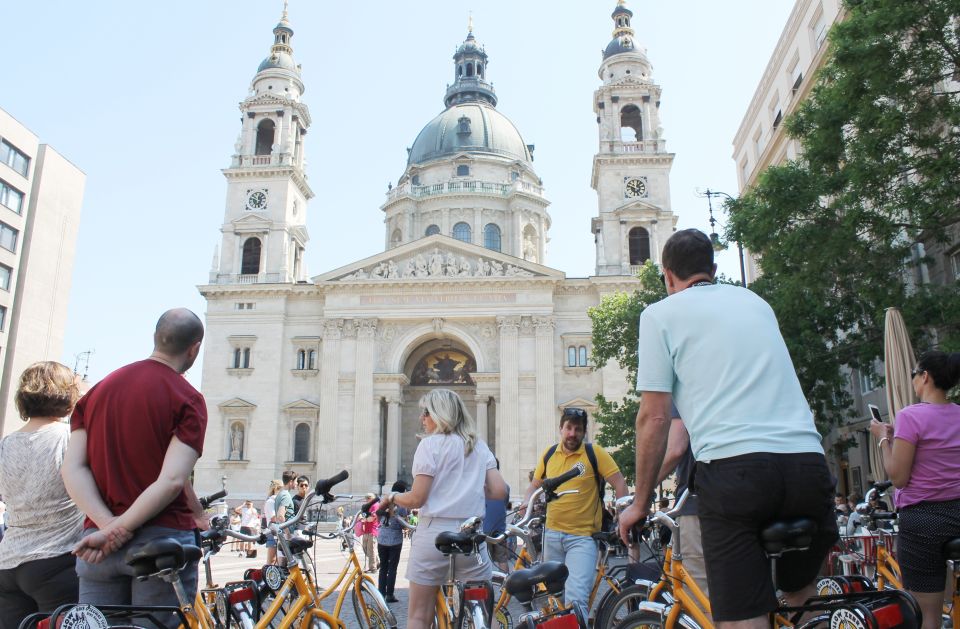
column 550, row 484
column 206, row 501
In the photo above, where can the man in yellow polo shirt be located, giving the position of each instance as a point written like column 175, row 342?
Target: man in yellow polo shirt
column 573, row 518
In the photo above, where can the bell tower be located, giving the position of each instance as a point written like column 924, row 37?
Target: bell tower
column 631, row 170
column 264, row 231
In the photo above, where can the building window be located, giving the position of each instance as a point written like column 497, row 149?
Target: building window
column 463, row 170
column 265, row 134
column 301, row 359
column 582, row 356
column 301, row 443
column 241, row 358
column 432, row 230
column 3, row 318
column 757, row 142
column 250, row 264
column 415, row 180
column 514, row 175
column 13, row 158
column 571, row 356
column 395, row 238
column 639, row 246
column 8, row 237
column 462, row 232
column 491, row 237
column 312, row 359
column 631, row 125
column 955, row 264
column 11, row 197
column 244, row 305
column 5, row 273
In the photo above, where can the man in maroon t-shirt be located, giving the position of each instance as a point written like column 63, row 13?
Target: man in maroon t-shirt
column 136, row 437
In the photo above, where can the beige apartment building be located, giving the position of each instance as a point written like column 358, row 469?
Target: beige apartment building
column 40, row 197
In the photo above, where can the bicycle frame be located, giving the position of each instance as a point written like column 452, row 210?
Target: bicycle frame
column 352, row 577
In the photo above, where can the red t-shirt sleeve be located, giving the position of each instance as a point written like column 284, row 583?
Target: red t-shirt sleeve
column 76, row 418
column 192, row 423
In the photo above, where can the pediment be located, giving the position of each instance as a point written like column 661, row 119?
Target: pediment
column 236, row 404
column 301, row 405
column 578, row 402
column 251, row 223
column 437, row 258
column 639, row 205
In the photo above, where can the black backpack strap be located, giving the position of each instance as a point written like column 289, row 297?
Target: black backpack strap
column 546, row 457
column 601, row 481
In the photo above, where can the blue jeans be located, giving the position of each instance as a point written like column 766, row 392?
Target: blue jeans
column 111, row 582
column 579, row 552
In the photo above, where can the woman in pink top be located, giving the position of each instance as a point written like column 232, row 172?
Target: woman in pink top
column 921, row 455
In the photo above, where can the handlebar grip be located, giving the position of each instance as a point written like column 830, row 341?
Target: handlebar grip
column 367, row 506
column 883, row 486
column 883, row 515
column 206, row 501
column 324, row 486
column 549, row 484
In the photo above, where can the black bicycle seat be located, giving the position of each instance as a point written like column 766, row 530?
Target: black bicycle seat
column 298, row 545
column 450, row 543
column 952, row 549
column 522, row 583
column 164, row 553
column 788, row 535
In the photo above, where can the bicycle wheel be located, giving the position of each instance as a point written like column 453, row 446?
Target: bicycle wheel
column 374, row 614
column 474, row 617
column 502, row 619
column 652, row 620
column 614, row 609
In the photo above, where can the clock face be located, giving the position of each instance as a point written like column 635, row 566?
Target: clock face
column 636, row 188
column 257, row 200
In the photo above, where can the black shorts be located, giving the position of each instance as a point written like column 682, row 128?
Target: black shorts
column 924, row 529
column 739, row 497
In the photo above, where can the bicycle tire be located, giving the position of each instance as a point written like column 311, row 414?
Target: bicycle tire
column 616, row 607
column 502, row 619
column 380, row 616
column 646, row 619
column 474, row 617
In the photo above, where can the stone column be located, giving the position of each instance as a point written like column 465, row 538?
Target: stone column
column 546, row 396
column 542, row 241
column 392, row 464
column 481, row 417
column 326, row 433
column 445, row 221
column 624, row 249
column 478, row 226
column 654, row 242
column 508, row 412
column 366, row 445
column 517, row 236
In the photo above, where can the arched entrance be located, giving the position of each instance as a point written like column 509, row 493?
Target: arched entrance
column 444, row 363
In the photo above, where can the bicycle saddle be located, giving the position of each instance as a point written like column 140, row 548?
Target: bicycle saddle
column 164, row 553
column 298, row 545
column 522, row 583
column 787, row 535
column 450, row 543
column 952, row 549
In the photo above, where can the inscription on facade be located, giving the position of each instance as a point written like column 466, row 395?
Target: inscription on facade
column 418, row 300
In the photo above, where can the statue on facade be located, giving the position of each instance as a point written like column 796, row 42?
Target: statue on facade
column 421, row 266
column 465, row 269
column 236, row 442
column 496, row 269
column 408, row 269
column 483, row 268
column 393, row 271
column 436, row 263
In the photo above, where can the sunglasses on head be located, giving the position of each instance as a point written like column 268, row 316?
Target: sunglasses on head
column 916, row 372
column 574, row 412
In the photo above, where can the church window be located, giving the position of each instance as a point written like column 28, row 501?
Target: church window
column 463, row 170
column 639, row 245
column 582, row 356
column 265, row 133
column 491, row 237
column 469, row 69
column 396, row 237
column 459, row 71
column 462, row 232
column 631, row 124
column 301, row 359
column 301, row 443
column 312, row 359
column 514, row 175
column 480, row 70
column 250, row 262
column 571, row 356
column 415, row 180
column 241, row 358
column 432, row 230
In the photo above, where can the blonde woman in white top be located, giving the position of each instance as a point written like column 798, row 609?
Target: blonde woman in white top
column 453, row 472
column 36, row 565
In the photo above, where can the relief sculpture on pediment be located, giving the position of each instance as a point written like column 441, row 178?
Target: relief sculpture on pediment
column 438, row 264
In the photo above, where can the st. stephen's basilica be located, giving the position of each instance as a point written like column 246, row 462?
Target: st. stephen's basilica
column 318, row 374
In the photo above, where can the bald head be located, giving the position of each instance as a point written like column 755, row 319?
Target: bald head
column 177, row 331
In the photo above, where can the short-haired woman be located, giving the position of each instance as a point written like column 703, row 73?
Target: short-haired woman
column 453, row 472
column 36, row 566
column 921, row 455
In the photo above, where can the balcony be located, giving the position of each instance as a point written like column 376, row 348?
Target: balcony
column 459, row 187
column 644, row 146
column 261, row 278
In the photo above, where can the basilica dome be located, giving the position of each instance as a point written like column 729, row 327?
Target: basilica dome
column 473, row 127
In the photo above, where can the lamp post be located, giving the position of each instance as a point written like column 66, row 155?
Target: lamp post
column 715, row 238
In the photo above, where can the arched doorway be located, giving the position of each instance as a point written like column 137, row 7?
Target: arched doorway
column 437, row 363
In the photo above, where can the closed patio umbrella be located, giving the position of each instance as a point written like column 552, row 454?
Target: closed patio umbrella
column 899, row 360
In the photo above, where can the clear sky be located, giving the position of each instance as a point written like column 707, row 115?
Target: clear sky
column 143, row 98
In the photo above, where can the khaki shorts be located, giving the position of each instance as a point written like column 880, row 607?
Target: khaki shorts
column 428, row 566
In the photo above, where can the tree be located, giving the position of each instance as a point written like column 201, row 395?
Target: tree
column 615, row 320
column 836, row 229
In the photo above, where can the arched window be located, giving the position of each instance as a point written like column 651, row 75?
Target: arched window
column 469, row 69
column 631, row 127
column 396, row 237
column 301, row 443
column 301, row 359
column 463, row 170
column 312, row 359
column 432, row 230
column 491, row 237
column 582, row 357
column 459, row 70
column 462, row 232
column 237, row 358
column 265, row 134
column 245, row 364
column 571, row 356
column 250, row 262
column 639, row 245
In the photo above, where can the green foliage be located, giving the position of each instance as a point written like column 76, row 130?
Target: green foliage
column 835, row 229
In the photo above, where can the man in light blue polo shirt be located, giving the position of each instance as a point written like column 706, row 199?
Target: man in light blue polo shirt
column 718, row 351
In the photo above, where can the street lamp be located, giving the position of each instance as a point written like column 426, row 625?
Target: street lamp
column 719, row 245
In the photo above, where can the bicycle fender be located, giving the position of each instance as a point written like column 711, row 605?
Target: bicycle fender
column 370, row 590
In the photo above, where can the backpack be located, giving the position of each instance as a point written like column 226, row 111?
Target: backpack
column 606, row 523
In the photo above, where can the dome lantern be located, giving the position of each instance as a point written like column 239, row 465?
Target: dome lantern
column 470, row 74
